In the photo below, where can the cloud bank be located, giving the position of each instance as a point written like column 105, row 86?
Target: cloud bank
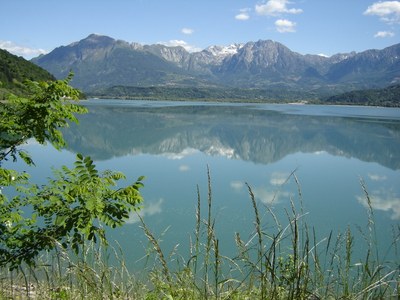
column 187, row 31
column 384, row 34
column 283, row 25
column 387, row 11
column 181, row 43
column 243, row 15
column 276, row 8
column 26, row 52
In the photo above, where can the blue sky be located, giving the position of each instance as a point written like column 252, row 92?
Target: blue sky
column 29, row 27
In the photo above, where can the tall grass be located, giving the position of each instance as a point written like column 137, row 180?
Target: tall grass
column 276, row 262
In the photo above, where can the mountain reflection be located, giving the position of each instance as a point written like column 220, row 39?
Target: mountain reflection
column 238, row 132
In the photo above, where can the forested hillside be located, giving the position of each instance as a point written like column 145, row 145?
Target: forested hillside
column 389, row 96
column 14, row 70
column 204, row 94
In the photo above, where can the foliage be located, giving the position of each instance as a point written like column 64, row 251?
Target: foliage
column 15, row 70
column 282, row 94
column 38, row 117
column 206, row 93
column 72, row 207
column 389, row 96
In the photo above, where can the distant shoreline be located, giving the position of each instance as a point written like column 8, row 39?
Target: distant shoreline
column 238, row 101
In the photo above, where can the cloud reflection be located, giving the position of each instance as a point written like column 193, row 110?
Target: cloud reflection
column 268, row 196
column 237, row 185
column 181, row 155
column 270, row 193
column 279, row 178
column 184, row 168
column 149, row 209
column 376, row 177
column 383, row 200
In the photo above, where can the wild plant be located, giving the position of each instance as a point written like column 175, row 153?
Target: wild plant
column 282, row 262
column 287, row 260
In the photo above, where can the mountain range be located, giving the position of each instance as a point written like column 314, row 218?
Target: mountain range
column 101, row 62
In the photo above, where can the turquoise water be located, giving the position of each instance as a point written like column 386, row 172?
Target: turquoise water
column 330, row 149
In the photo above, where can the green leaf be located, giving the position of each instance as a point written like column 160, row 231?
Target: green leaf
column 60, row 220
column 26, row 157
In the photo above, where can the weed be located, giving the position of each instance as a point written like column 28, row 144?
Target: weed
column 281, row 262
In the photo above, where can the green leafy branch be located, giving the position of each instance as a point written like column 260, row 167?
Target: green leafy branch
column 75, row 205
column 40, row 116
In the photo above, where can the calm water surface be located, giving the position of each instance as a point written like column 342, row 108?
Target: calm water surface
column 330, row 149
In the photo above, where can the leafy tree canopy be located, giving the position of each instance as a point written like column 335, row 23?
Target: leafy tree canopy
column 72, row 207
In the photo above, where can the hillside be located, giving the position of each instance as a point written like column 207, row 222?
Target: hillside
column 14, row 70
column 203, row 94
column 389, row 96
column 102, row 64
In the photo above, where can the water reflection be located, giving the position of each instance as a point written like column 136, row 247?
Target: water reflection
column 383, row 200
column 148, row 209
column 330, row 148
column 237, row 132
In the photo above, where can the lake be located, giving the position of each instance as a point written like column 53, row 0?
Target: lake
column 330, row 149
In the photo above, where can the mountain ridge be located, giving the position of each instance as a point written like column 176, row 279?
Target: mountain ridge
column 100, row 62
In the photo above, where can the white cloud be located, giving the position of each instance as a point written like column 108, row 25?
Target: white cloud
column 187, row 31
column 242, row 16
column 276, row 8
column 283, row 25
column 388, row 11
column 181, row 43
column 384, row 34
column 26, row 52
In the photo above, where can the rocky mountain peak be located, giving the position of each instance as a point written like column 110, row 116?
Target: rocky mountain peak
column 224, row 51
column 176, row 54
column 262, row 55
column 94, row 41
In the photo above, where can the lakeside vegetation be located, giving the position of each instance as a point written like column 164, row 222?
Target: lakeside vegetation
column 284, row 261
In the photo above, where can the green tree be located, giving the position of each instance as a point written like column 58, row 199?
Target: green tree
column 75, row 205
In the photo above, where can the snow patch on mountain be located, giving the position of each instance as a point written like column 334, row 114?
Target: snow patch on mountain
column 224, row 51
